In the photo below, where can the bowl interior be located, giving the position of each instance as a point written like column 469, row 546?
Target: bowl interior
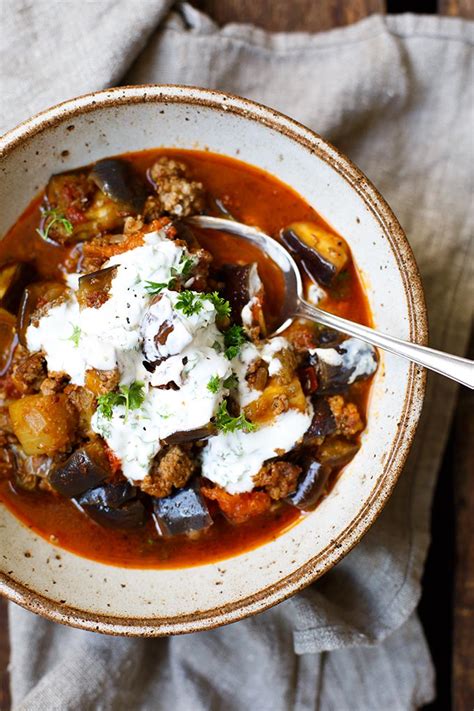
column 72, row 589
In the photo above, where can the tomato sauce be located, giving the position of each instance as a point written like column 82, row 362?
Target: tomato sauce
column 251, row 196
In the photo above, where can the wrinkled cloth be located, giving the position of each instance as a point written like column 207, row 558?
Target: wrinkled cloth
column 395, row 94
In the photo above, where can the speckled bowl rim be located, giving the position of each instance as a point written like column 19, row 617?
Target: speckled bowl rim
column 418, row 328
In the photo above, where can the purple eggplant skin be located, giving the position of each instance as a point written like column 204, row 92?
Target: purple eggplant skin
column 185, row 511
column 111, row 495
column 117, row 179
column 94, row 287
column 14, row 278
column 237, row 291
column 351, row 354
column 320, row 269
column 84, row 469
column 130, row 515
column 323, row 422
column 113, row 505
column 310, row 485
column 191, row 435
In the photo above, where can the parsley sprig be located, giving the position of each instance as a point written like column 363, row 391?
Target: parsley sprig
column 234, row 338
column 130, row 396
column 227, row 424
column 192, row 302
column 52, row 217
column 179, row 273
column 214, row 383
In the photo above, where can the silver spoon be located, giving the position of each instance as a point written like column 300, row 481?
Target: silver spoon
column 454, row 367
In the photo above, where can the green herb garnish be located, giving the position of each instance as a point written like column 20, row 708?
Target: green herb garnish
column 130, row 396
column 52, row 217
column 234, row 338
column 182, row 271
column 189, row 302
column 226, row 423
column 76, row 336
column 214, row 384
column 221, row 306
column 231, row 382
column 155, row 287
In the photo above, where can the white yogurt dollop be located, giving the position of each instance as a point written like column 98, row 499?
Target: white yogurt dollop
column 133, row 328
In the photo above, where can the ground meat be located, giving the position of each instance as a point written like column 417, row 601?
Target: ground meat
column 28, row 372
column 302, row 336
column 257, row 374
column 171, row 469
column 288, row 361
column 54, row 383
column 278, row 478
column 176, row 193
column 346, row 415
column 85, row 403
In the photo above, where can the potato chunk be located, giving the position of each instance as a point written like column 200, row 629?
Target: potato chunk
column 275, row 399
column 44, row 424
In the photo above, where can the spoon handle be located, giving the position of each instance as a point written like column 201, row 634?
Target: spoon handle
column 454, row 367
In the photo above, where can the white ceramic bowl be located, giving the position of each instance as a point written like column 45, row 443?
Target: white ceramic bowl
column 76, row 591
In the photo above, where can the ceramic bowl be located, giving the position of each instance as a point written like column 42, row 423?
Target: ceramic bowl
column 72, row 590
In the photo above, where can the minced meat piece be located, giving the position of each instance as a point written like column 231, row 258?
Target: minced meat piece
column 346, row 415
column 54, row 383
column 176, row 193
column 85, row 403
column 257, row 374
column 288, row 360
column 172, row 469
column 29, row 372
column 278, row 478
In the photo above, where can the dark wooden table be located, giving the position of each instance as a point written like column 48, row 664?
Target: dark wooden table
column 447, row 606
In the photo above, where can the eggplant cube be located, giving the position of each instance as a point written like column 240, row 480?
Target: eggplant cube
column 117, row 179
column 185, row 511
column 323, row 253
column 337, row 368
column 310, row 486
column 113, row 505
column 13, row 280
column 85, row 468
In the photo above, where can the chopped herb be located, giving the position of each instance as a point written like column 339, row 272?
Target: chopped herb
column 130, row 396
column 234, row 338
column 189, row 302
column 214, row 384
column 182, row 271
column 217, row 347
column 53, row 217
column 221, row 306
column 226, row 423
column 231, row 382
column 154, row 287
column 76, row 336
column 184, row 267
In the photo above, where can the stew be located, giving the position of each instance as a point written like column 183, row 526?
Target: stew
column 148, row 417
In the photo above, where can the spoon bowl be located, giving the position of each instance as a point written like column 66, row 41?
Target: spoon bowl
column 459, row 369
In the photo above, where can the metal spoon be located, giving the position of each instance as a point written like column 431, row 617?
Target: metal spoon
column 454, row 367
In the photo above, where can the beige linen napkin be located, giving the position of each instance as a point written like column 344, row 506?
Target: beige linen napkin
column 396, row 95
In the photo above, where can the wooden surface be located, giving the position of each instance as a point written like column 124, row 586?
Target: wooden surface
column 291, row 15
column 447, row 606
column 463, row 485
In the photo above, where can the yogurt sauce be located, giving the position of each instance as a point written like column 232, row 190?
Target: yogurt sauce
column 121, row 334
